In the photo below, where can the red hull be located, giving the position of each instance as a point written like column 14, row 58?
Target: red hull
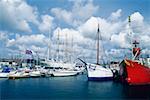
column 136, row 74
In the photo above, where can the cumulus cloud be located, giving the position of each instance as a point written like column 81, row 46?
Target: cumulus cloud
column 16, row 15
column 3, row 36
column 145, row 41
column 121, row 40
column 114, row 30
column 69, row 34
column 137, row 24
column 115, row 15
column 35, row 43
column 72, row 40
column 107, row 28
column 81, row 11
column 47, row 23
column 115, row 35
column 34, row 39
column 62, row 14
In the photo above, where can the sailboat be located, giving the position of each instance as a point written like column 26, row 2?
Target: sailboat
column 35, row 72
column 65, row 69
column 61, row 68
column 5, row 72
column 18, row 74
column 134, row 72
column 98, row 72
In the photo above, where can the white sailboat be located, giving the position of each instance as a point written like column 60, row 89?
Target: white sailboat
column 61, row 68
column 97, row 72
column 5, row 73
column 35, row 73
column 18, row 74
column 65, row 69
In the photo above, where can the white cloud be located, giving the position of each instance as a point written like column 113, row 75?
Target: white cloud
column 76, row 42
column 23, row 26
column 115, row 15
column 121, row 40
column 47, row 23
column 81, row 11
column 107, row 28
column 137, row 22
column 3, row 36
column 36, row 43
column 84, row 34
column 137, row 18
column 118, row 32
column 27, row 40
column 16, row 15
column 62, row 14
column 145, row 41
column 84, row 10
column 69, row 34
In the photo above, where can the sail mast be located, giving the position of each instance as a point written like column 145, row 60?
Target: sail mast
column 66, row 45
column 72, row 52
column 49, row 52
column 58, row 46
column 98, row 45
column 130, row 33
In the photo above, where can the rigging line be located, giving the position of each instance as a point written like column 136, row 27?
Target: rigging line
column 102, row 47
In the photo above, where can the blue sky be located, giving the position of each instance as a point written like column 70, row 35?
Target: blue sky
column 26, row 24
column 106, row 6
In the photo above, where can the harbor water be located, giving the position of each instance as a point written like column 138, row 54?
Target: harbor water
column 75, row 87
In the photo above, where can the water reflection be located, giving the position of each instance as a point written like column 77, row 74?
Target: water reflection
column 104, row 90
column 75, row 87
column 139, row 91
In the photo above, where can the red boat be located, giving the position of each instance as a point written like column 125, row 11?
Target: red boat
column 133, row 71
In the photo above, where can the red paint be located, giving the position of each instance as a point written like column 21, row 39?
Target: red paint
column 137, row 73
column 135, row 50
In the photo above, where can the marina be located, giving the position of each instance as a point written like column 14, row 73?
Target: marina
column 70, row 80
column 74, row 50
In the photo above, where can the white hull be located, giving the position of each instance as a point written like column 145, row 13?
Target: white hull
column 4, row 75
column 44, row 71
column 97, row 72
column 18, row 75
column 25, row 75
column 81, row 70
column 50, row 72
column 1, row 70
column 64, row 73
column 35, row 74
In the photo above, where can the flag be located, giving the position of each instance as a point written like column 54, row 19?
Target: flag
column 28, row 52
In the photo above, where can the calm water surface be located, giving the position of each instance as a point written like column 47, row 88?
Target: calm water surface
column 75, row 87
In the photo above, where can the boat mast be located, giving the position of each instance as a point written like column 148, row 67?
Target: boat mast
column 49, row 52
column 58, row 46
column 66, row 55
column 72, row 52
column 98, row 45
column 130, row 33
